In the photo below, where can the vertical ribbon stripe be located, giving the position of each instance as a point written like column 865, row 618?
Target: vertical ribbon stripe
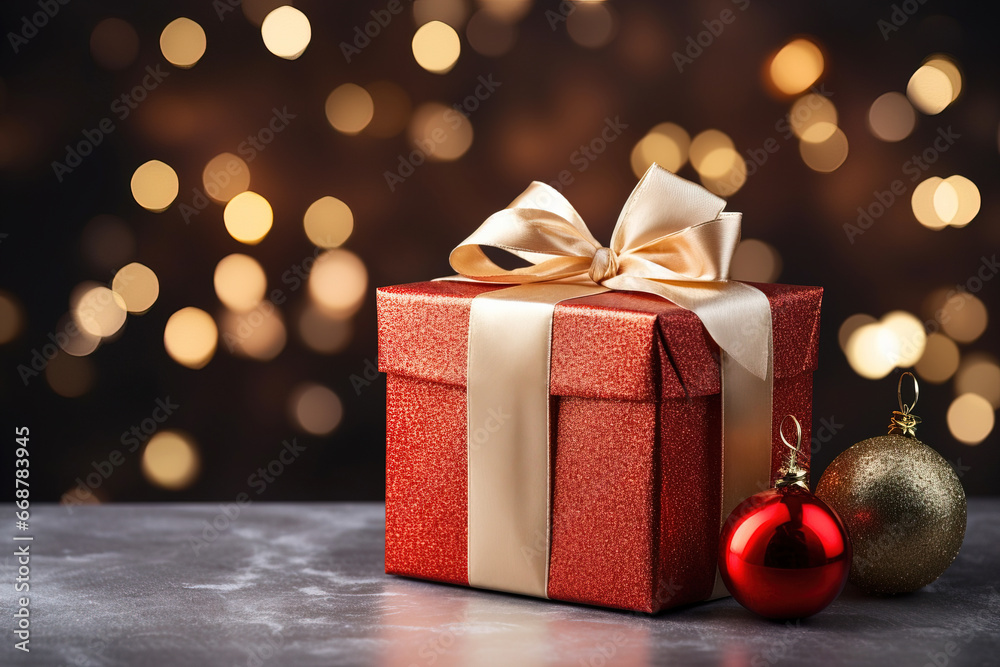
column 510, row 341
column 746, row 440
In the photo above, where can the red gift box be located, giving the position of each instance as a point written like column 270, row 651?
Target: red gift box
column 637, row 442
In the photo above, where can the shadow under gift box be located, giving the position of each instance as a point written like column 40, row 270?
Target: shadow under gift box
column 636, row 445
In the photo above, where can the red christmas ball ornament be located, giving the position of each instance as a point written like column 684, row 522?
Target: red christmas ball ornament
column 783, row 552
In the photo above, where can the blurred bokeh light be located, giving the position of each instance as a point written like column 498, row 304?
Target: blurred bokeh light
column 138, row 287
column 258, row 334
column 979, row 374
column 436, row 47
column 248, row 217
column 190, row 337
column 114, row 43
column 755, row 261
column 316, row 409
column 154, row 185
column 939, row 360
column 349, row 108
column 667, row 144
column 328, row 222
column 930, row 90
column 891, row 117
column 11, row 317
column 324, row 332
column 970, row 418
column 591, row 24
column 825, row 155
column 338, row 282
column 70, row 376
column 171, row 460
column 796, row 66
column 225, row 176
column 240, row 282
column 183, row 42
column 286, row 32
column 440, row 133
column 99, row 311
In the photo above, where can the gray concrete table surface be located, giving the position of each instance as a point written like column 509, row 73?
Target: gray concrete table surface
column 303, row 584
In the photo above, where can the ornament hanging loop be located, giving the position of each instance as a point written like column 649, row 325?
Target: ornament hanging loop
column 794, row 473
column 903, row 419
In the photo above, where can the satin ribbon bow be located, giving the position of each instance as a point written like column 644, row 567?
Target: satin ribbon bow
column 672, row 239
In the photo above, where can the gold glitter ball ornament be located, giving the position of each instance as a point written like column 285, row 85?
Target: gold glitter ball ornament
column 902, row 504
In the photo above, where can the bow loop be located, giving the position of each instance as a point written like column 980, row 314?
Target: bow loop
column 672, row 239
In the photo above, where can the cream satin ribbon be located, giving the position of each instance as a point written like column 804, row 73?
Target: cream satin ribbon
column 672, row 239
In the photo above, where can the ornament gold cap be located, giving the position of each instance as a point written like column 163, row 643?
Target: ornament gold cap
column 795, row 475
column 903, row 420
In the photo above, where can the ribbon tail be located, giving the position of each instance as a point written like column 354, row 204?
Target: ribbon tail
column 746, row 440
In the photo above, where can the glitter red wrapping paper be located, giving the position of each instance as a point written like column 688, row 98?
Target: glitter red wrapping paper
column 636, row 448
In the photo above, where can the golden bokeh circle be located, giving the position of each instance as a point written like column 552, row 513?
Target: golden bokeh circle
column 154, row 185
column 190, row 337
column 796, row 66
column 183, row 42
column 970, row 418
column 171, row 460
column 436, row 47
column 240, row 282
column 349, row 108
column 939, row 360
column 248, row 217
column 328, row 222
column 286, row 32
column 138, row 287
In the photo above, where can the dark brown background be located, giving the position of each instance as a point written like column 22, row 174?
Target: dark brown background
column 554, row 95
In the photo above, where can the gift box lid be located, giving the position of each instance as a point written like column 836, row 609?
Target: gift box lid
column 619, row 345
